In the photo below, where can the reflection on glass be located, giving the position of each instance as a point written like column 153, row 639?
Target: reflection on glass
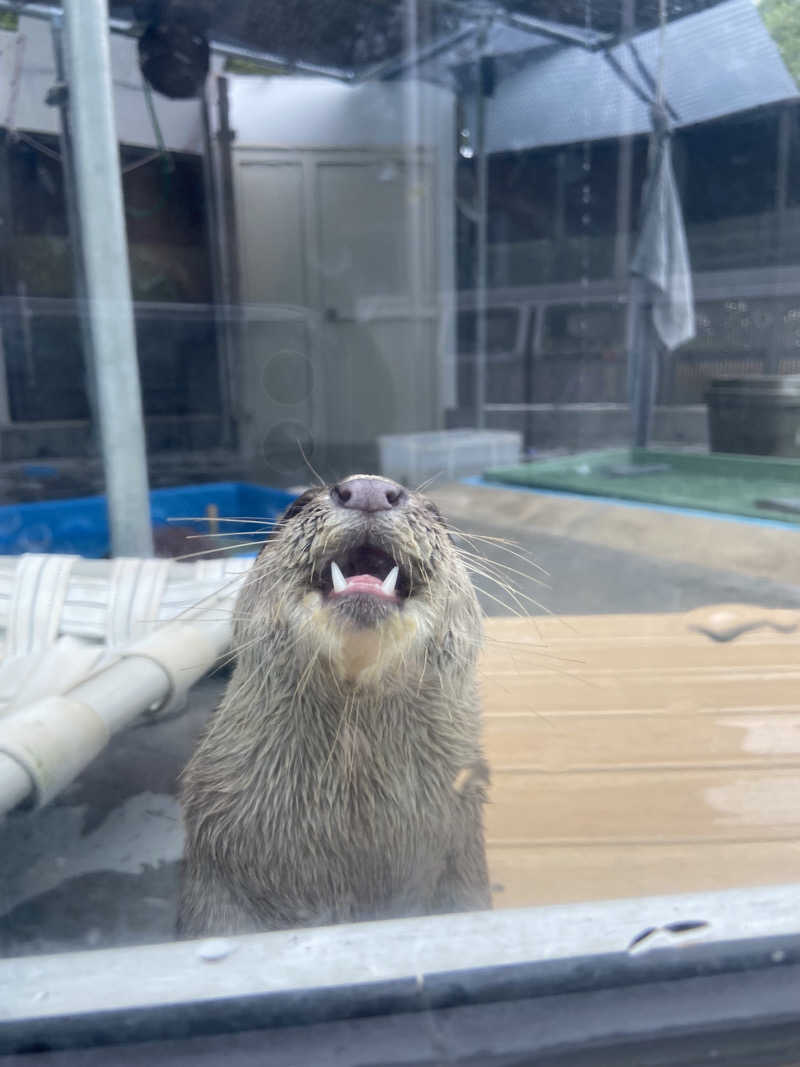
column 443, row 244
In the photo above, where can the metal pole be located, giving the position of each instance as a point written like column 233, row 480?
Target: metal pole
column 10, row 318
column 105, row 255
column 642, row 361
column 58, row 97
column 230, row 257
column 775, row 340
column 624, row 164
column 427, row 413
column 219, row 295
column 482, row 271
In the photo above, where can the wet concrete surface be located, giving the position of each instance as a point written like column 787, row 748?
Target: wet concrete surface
column 581, row 578
column 100, row 866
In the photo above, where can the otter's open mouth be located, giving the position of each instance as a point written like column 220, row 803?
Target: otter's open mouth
column 368, row 571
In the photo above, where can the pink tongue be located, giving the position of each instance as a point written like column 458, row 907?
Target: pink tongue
column 365, row 583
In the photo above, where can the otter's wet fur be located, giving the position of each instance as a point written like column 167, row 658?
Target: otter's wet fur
column 342, row 777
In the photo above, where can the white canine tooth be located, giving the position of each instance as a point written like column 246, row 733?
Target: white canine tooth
column 390, row 581
column 339, row 581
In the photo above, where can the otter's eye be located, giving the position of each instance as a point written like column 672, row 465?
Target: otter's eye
column 296, row 507
column 432, row 508
column 440, row 519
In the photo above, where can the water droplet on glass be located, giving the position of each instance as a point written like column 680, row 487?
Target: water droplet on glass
column 216, row 948
column 387, row 173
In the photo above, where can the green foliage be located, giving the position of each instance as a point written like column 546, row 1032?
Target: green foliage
column 782, row 19
column 9, row 20
column 238, row 65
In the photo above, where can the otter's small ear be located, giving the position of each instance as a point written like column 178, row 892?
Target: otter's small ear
column 296, row 507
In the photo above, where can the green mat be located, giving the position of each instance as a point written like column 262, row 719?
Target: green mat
column 753, row 486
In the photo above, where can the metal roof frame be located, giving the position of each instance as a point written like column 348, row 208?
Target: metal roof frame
column 474, row 15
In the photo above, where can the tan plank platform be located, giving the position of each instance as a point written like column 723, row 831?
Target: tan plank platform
column 642, row 754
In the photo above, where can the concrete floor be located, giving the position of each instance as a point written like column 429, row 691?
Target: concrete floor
column 99, row 867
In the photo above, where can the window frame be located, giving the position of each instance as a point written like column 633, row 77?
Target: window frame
column 635, row 952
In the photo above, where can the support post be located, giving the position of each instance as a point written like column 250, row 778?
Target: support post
column 9, row 318
column 642, row 361
column 482, row 272
column 113, row 359
column 624, row 184
column 215, row 253
column 624, row 167
column 58, row 97
column 415, row 235
column 234, row 331
column 783, row 150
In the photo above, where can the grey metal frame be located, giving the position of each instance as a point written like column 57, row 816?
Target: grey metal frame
column 626, row 952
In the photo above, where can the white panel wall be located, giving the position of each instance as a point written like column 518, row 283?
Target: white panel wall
column 308, row 112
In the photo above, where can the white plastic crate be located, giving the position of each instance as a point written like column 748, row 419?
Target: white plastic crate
column 410, row 458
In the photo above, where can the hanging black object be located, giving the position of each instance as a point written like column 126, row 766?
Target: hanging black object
column 173, row 49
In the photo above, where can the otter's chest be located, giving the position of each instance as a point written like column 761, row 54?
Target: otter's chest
column 377, row 824
column 369, row 784
column 354, row 822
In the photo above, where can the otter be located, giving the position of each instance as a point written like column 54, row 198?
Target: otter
column 342, row 777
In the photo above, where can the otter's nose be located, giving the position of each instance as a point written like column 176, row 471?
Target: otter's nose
column 368, row 494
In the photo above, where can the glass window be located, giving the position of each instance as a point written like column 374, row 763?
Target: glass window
column 578, row 329
column 508, row 379
column 501, row 330
column 440, row 363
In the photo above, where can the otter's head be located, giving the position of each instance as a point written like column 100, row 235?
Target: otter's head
column 366, row 573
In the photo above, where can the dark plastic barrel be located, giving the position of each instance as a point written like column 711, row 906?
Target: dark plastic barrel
column 757, row 416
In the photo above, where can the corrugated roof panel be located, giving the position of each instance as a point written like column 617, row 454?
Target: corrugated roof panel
column 717, row 62
column 570, row 95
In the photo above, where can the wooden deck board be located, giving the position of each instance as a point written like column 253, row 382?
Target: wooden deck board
column 642, row 754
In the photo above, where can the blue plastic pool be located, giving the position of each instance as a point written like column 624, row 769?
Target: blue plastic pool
column 80, row 525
